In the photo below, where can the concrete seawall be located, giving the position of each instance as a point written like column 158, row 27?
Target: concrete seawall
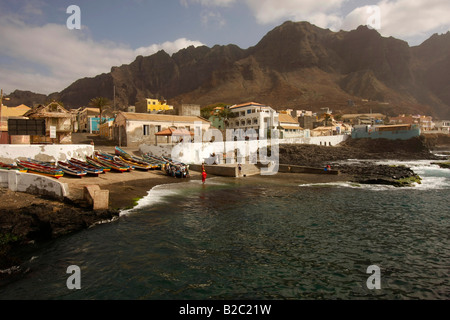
column 217, row 170
column 33, row 184
column 231, row 170
column 286, row 168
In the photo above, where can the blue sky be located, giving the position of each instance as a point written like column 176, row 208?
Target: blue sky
column 39, row 53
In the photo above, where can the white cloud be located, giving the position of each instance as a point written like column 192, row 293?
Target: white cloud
column 319, row 12
column 404, row 19
column 48, row 58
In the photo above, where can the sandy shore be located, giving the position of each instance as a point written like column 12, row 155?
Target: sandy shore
column 124, row 188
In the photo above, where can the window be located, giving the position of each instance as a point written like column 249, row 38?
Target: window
column 158, row 128
column 249, row 111
column 146, row 129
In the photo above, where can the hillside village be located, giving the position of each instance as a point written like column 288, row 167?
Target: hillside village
column 154, row 122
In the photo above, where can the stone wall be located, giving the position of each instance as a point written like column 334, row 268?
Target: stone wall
column 10, row 153
column 33, row 184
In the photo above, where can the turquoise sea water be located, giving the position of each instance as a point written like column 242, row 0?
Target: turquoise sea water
column 259, row 238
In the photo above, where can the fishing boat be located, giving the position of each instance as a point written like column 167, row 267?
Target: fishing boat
column 95, row 171
column 6, row 166
column 120, row 161
column 137, row 164
column 71, row 169
column 43, row 163
column 44, row 170
column 91, row 161
column 121, row 153
column 158, row 163
column 112, row 164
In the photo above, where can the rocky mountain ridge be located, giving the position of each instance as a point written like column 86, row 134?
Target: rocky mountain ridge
column 296, row 65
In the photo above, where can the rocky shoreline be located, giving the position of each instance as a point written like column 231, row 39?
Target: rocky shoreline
column 357, row 159
column 22, row 228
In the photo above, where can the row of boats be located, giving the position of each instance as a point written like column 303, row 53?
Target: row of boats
column 100, row 163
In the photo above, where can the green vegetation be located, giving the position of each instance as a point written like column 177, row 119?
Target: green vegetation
column 409, row 181
column 101, row 103
column 205, row 112
column 445, row 165
column 8, row 238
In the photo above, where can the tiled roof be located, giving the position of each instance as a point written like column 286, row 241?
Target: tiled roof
column 247, row 104
column 285, row 118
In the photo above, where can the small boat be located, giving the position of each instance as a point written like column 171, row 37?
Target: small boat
column 121, row 153
column 71, row 169
column 85, row 166
column 43, row 163
column 120, row 161
column 6, row 166
column 91, row 161
column 135, row 163
column 112, row 164
column 49, row 171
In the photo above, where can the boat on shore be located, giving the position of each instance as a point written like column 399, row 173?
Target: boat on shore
column 138, row 163
column 112, row 164
column 141, row 165
column 95, row 171
column 33, row 167
column 93, row 162
column 71, row 169
column 6, row 166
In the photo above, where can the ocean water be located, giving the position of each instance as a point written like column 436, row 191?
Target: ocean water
column 259, row 238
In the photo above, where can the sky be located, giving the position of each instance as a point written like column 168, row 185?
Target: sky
column 43, row 50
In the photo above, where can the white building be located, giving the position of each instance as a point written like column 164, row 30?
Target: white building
column 443, row 126
column 289, row 127
column 253, row 116
column 134, row 129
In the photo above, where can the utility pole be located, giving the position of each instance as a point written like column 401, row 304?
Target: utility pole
column 114, row 98
column 1, row 105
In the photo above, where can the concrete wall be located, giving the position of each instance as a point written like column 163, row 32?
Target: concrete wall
column 323, row 140
column 33, row 184
column 10, row 153
column 391, row 135
column 253, row 150
column 301, row 169
column 224, row 171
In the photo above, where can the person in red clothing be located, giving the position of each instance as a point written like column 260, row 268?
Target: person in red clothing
column 204, row 176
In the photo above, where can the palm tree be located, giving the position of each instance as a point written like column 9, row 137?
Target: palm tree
column 100, row 103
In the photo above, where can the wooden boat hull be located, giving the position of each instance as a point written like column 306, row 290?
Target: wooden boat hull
column 71, row 170
column 114, row 166
column 40, row 169
column 137, row 165
column 97, row 164
column 6, row 166
column 91, row 170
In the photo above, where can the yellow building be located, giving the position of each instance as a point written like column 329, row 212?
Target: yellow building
column 152, row 106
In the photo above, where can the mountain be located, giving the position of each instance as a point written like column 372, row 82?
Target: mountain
column 296, row 65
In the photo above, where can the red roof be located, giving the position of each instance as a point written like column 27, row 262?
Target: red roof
column 174, row 132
